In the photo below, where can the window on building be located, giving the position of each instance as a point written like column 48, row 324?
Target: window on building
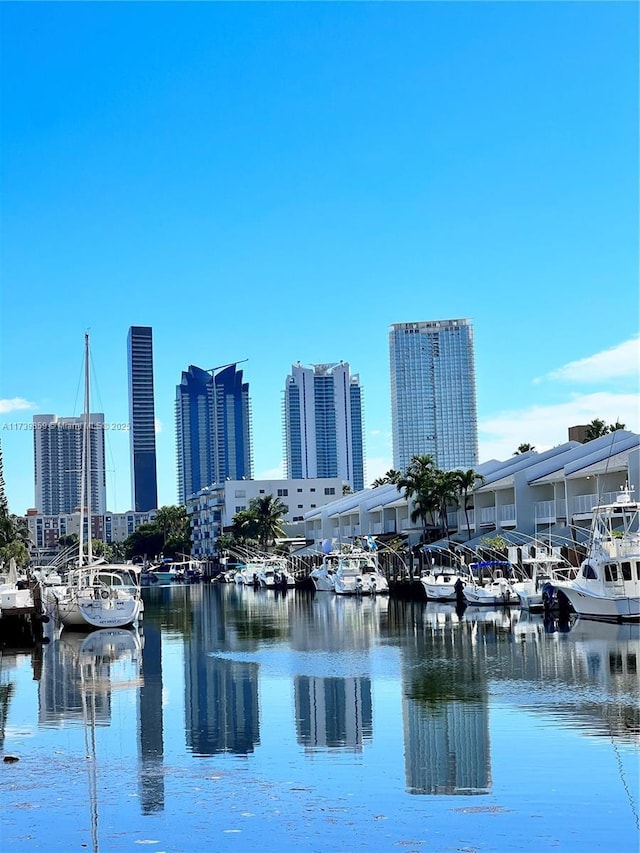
column 299, row 490
column 329, row 490
column 313, row 506
column 283, row 493
column 241, row 493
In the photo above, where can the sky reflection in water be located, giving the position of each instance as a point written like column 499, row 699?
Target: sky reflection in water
column 240, row 718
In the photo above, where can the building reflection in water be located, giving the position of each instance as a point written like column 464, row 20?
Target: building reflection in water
column 333, row 712
column 150, row 728
column 221, row 695
column 445, row 707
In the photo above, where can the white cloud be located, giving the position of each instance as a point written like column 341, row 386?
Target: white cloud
column 15, row 404
column 377, row 467
column 619, row 362
column 547, row 426
column 271, row 473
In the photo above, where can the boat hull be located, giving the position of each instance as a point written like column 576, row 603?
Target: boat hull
column 501, row 595
column 82, row 612
column 589, row 605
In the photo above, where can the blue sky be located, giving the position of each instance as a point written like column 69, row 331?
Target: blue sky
column 280, row 182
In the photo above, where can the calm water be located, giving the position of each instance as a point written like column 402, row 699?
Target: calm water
column 243, row 720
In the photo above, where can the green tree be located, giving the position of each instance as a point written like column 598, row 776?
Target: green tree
column 146, row 540
column 419, row 486
column 244, row 527
column 173, row 522
column 4, row 505
column 596, row 429
column 523, row 448
column 268, row 513
column 390, row 478
column 466, row 482
column 16, row 549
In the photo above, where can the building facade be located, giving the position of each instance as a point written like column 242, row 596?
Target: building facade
column 110, row 527
column 57, row 447
column 545, row 497
column 433, row 393
column 212, row 509
column 144, row 479
column 213, row 428
column 323, row 424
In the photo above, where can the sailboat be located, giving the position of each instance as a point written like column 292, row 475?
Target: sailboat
column 97, row 595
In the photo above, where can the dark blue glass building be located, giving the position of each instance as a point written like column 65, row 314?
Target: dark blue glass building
column 213, row 428
column 144, row 479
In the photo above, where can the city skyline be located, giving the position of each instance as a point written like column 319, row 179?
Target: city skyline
column 283, row 182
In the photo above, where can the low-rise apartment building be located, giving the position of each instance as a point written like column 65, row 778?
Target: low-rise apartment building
column 212, row 509
column 547, row 496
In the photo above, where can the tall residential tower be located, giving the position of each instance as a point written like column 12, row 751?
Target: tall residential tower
column 213, row 428
column 144, row 480
column 57, row 445
column 433, row 393
column 323, row 424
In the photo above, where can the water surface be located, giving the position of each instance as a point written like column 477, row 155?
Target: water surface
column 244, row 720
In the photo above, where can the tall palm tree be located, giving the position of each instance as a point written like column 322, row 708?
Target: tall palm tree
column 418, row 484
column 466, row 482
column 445, row 488
column 268, row 512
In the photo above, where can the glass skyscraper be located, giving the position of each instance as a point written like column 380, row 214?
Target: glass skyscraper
column 142, row 436
column 323, row 424
column 433, row 393
column 213, row 429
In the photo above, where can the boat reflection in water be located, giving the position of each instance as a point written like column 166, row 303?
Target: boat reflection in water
column 271, row 703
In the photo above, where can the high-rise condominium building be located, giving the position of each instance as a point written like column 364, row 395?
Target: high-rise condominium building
column 57, row 445
column 213, row 428
column 144, row 479
column 323, row 424
column 433, row 393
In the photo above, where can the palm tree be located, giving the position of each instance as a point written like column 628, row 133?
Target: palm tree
column 418, row 483
column 268, row 513
column 172, row 522
column 466, row 482
column 615, row 427
column 523, row 448
column 392, row 476
column 596, row 429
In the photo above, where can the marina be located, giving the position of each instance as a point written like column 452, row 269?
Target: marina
column 235, row 716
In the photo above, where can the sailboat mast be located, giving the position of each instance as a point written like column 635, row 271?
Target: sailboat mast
column 83, row 465
column 87, row 438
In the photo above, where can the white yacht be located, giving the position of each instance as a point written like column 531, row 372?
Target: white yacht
column 607, row 585
column 357, row 573
column 491, row 583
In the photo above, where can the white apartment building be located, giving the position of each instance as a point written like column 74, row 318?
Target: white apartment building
column 57, row 448
column 545, row 496
column 212, row 509
column 110, row 527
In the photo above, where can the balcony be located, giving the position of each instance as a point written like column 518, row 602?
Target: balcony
column 507, row 515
